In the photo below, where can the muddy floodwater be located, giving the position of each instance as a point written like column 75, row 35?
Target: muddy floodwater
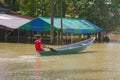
column 100, row 61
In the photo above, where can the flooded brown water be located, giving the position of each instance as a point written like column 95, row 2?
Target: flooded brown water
column 101, row 61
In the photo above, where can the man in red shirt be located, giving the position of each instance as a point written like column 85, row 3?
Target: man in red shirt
column 38, row 44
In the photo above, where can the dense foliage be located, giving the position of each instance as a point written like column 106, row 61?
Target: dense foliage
column 104, row 13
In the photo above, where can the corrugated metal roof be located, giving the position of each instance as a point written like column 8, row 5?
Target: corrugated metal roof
column 11, row 21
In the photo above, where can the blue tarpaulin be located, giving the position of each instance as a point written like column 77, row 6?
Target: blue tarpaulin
column 71, row 25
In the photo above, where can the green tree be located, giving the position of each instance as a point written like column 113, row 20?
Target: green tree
column 104, row 13
column 28, row 7
column 12, row 4
column 1, row 2
column 118, row 29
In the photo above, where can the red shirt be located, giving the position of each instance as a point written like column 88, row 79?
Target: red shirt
column 38, row 45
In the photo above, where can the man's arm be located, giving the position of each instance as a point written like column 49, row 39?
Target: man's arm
column 44, row 46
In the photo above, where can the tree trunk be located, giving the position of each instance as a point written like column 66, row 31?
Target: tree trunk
column 61, row 25
column 52, row 22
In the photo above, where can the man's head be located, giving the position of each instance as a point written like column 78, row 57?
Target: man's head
column 39, row 37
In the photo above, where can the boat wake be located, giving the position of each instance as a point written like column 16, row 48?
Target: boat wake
column 23, row 58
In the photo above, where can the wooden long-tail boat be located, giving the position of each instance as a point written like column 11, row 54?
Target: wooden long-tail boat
column 68, row 49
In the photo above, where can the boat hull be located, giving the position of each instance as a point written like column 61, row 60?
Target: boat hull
column 63, row 52
column 69, row 49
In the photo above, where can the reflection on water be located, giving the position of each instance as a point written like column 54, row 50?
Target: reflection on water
column 98, row 62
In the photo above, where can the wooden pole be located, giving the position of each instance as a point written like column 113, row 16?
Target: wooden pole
column 71, row 38
column 7, row 33
column 18, row 35
column 61, row 25
column 52, row 22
